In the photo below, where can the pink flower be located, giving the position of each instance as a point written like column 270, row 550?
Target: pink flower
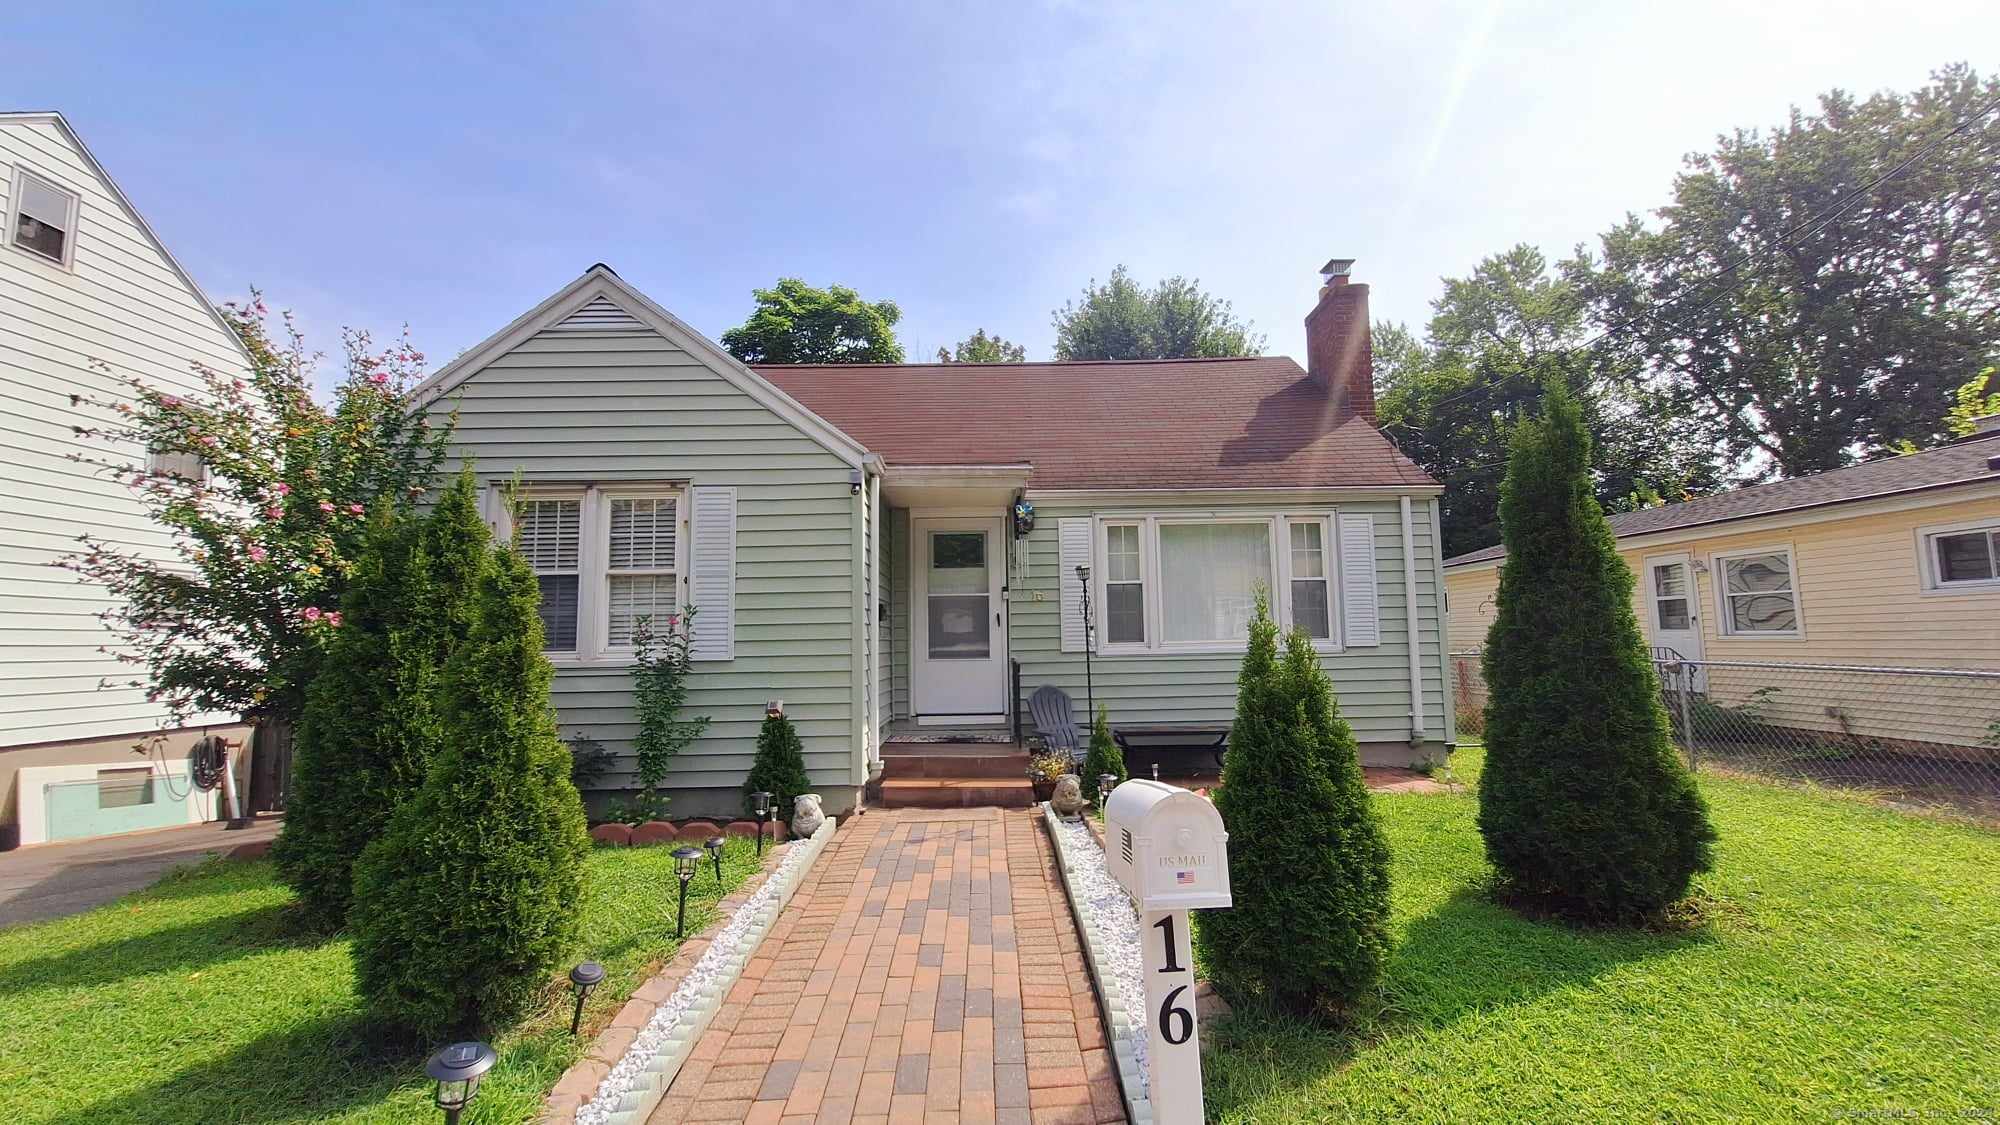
column 284, row 489
column 356, row 509
column 326, row 505
column 208, row 440
column 259, row 554
column 312, row 613
column 275, row 512
column 333, row 619
column 379, row 378
column 170, row 401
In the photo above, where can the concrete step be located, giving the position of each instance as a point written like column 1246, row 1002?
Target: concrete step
column 956, row 792
column 995, row 765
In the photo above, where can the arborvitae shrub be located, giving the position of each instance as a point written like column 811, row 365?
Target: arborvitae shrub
column 780, row 768
column 1308, row 865
column 1585, row 805
column 370, row 726
column 468, row 903
column 1104, row 755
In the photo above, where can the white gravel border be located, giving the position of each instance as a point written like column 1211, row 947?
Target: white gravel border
column 639, row 1080
column 1109, row 924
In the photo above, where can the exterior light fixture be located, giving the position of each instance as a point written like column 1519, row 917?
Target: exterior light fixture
column 714, row 847
column 1156, row 771
column 760, row 801
column 584, row 977
column 774, row 708
column 1104, row 783
column 457, row 1070
column 687, row 861
column 1085, row 603
column 854, row 481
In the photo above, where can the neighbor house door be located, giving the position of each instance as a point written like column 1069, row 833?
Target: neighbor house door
column 958, row 670
column 1672, row 609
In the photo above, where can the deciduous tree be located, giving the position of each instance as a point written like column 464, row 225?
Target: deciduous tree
column 798, row 323
column 981, row 348
column 1175, row 319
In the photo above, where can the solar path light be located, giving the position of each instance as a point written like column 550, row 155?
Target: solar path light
column 584, row 977
column 687, row 861
column 457, row 1070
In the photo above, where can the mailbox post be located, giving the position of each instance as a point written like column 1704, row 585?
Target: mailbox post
column 1168, row 849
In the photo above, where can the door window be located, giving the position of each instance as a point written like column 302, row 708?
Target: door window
column 1671, row 596
column 959, row 596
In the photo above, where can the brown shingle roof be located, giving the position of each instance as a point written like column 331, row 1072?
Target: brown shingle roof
column 1189, row 423
column 1934, row 468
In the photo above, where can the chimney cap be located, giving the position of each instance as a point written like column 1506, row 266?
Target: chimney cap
column 1336, row 267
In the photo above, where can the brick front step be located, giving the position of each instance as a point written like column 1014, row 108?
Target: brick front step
column 957, row 792
column 1012, row 766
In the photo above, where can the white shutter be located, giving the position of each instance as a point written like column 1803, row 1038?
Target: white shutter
column 712, row 573
column 1360, row 621
column 1074, row 537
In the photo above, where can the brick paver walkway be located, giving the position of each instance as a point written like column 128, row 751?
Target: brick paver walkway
column 927, row 971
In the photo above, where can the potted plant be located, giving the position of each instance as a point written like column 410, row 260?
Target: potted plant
column 1044, row 769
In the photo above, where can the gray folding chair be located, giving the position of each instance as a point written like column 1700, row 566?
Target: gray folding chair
column 1054, row 721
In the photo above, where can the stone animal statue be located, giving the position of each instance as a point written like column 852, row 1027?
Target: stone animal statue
column 806, row 815
column 1068, row 798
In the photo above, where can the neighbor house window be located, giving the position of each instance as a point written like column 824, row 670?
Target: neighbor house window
column 1961, row 557
column 1759, row 593
column 1170, row 583
column 44, row 219
column 187, row 466
column 642, row 577
column 549, row 534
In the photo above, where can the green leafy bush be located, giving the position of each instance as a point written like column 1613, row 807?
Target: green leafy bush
column 660, row 666
column 1308, row 865
column 1104, row 756
column 1585, row 806
column 371, row 726
column 467, row 904
column 780, row 768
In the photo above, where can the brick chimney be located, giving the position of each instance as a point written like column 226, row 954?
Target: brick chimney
column 1339, row 353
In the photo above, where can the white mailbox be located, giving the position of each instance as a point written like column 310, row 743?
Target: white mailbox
column 1166, row 847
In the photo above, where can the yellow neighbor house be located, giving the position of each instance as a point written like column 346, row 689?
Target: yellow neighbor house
column 1889, row 563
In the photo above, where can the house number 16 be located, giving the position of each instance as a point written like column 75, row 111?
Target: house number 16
column 1173, row 1056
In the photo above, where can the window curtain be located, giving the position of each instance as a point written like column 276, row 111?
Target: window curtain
column 1209, row 577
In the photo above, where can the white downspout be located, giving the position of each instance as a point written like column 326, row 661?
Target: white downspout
column 1413, row 626
column 1444, row 627
column 873, row 684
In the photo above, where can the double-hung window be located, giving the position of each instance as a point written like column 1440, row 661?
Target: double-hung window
column 1759, row 593
column 44, row 219
column 1961, row 558
column 1182, row 583
column 604, row 559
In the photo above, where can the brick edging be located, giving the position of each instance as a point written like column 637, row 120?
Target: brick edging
column 1116, row 1007
column 580, row 1082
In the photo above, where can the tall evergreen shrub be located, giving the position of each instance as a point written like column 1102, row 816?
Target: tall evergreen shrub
column 1308, row 865
column 469, row 901
column 1104, row 755
column 370, row 726
column 780, row 768
column 1584, row 804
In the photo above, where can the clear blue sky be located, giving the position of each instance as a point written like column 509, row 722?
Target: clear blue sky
column 383, row 163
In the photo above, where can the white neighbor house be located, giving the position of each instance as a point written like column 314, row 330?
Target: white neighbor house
column 83, row 281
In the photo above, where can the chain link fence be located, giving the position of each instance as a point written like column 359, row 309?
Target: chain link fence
column 1924, row 737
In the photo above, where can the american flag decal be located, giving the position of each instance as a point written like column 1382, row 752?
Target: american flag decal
column 1184, row 878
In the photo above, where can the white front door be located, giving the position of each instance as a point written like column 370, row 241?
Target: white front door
column 1672, row 609
column 958, row 670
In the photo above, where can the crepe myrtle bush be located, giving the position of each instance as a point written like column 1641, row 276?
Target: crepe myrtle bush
column 1585, row 806
column 266, row 496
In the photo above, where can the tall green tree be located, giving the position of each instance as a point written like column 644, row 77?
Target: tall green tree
column 466, row 905
column 981, row 348
column 1584, row 805
column 1800, row 346
column 371, row 724
column 1450, row 401
column 1175, row 319
column 266, row 534
column 798, row 323
column 1308, row 864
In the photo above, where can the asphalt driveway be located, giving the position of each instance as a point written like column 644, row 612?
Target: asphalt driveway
column 51, row 880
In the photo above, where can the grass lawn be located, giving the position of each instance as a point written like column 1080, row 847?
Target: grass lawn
column 1849, row 967
column 196, row 1001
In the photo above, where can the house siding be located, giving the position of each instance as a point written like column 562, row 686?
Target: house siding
column 623, row 406
column 1861, row 601
column 124, row 305
column 1372, row 684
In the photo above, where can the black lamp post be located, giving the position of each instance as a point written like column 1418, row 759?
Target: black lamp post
column 1104, row 783
column 585, row 977
column 687, row 861
column 1089, row 627
column 714, row 847
column 457, row 1070
column 761, row 802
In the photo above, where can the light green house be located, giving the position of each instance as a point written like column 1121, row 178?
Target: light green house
column 903, row 554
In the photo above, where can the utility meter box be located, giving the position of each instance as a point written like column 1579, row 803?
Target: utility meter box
column 1166, row 847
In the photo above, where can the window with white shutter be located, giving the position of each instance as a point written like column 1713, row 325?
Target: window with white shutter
column 641, row 565
column 549, row 535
